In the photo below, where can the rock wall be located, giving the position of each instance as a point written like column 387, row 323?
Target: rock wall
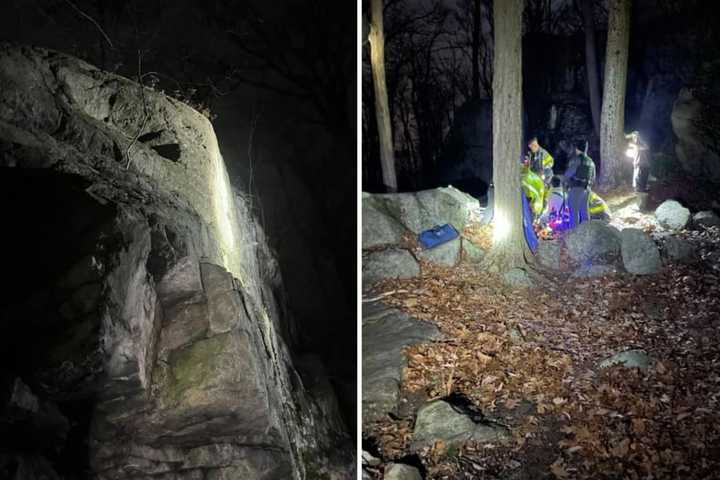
column 173, row 342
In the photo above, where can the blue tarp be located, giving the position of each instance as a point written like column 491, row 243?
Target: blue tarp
column 530, row 235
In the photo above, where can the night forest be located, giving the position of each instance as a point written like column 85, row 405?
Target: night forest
column 540, row 239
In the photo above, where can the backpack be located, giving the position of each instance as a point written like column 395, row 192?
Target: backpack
column 583, row 171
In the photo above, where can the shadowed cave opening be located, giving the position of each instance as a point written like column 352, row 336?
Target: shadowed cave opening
column 49, row 320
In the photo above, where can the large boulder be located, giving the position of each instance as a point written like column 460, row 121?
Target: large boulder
column 418, row 211
column 706, row 218
column 639, row 252
column 446, row 254
column 696, row 146
column 385, row 332
column 672, row 215
column 389, row 263
column 593, row 242
column 441, row 421
column 548, row 254
column 378, row 227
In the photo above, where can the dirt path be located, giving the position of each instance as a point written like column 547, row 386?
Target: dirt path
column 530, row 360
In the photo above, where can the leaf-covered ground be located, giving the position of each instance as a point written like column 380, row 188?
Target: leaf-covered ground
column 529, row 360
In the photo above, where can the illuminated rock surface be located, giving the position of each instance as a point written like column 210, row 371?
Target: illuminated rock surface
column 147, row 304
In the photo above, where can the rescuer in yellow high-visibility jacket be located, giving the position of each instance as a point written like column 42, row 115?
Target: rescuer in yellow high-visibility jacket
column 540, row 161
column 534, row 189
column 597, row 207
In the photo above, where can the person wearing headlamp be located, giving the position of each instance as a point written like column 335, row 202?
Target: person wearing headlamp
column 637, row 150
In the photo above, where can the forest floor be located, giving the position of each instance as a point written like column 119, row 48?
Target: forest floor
column 529, row 360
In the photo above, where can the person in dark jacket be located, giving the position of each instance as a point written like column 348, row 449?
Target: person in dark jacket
column 580, row 176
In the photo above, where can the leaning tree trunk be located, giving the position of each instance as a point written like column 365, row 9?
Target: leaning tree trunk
column 591, row 63
column 508, row 240
column 382, row 111
column 613, row 107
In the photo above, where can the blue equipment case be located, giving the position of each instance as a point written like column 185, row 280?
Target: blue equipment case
column 437, row 235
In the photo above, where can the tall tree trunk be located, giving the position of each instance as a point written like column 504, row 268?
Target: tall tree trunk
column 591, row 63
column 477, row 26
column 613, row 106
column 382, row 111
column 508, row 239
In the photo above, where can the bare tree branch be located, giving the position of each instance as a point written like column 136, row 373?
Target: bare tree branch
column 146, row 115
column 80, row 12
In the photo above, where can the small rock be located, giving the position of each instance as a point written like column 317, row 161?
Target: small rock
column 369, row 459
column 672, row 215
column 679, row 250
column 23, row 398
column 628, row 359
column 398, row 471
column 390, row 263
column 707, row 218
column 639, row 252
column 446, row 254
column 438, row 420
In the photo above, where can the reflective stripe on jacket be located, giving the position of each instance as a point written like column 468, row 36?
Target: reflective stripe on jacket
column 597, row 205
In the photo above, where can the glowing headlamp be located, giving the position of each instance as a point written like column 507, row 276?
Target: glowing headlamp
column 632, row 151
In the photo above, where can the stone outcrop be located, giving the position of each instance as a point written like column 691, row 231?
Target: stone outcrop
column 418, row 211
column 166, row 328
column 389, row 219
column 389, row 263
column 386, row 332
column 446, row 254
column 696, row 147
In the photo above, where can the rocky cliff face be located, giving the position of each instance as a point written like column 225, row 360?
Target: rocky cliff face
column 144, row 327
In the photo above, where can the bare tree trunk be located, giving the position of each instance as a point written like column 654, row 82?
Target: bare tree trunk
column 477, row 26
column 591, row 63
column 508, row 239
column 382, row 111
column 613, row 106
